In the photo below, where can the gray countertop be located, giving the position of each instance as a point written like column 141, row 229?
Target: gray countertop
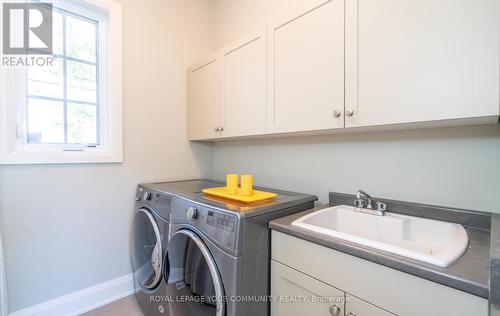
column 470, row 273
column 495, row 260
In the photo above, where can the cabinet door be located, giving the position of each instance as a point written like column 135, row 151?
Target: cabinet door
column 426, row 60
column 296, row 294
column 356, row 307
column 244, row 87
column 306, row 54
column 204, row 96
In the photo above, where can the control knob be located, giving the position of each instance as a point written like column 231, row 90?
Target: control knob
column 146, row 196
column 192, row 213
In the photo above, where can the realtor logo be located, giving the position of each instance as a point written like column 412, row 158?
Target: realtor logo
column 27, row 28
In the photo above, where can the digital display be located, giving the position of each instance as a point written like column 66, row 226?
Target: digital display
column 221, row 221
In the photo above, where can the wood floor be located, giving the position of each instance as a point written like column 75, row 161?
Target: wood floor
column 125, row 307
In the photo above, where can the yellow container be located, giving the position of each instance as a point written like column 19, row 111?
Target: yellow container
column 232, row 183
column 256, row 196
column 246, row 184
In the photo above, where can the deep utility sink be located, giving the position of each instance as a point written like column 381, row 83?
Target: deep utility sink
column 431, row 241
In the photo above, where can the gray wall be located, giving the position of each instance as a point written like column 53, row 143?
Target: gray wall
column 66, row 227
column 457, row 167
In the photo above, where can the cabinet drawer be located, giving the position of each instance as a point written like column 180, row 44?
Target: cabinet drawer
column 298, row 294
column 358, row 307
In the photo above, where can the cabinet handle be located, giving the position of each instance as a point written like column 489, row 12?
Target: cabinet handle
column 351, row 314
column 349, row 112
column 216, row 129
column 221, row 129
column 336, row 114
column 334, row 310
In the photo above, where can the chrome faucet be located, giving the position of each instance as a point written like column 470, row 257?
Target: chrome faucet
column 359, row 203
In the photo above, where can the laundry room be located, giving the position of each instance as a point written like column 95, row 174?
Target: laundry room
column 249, row 157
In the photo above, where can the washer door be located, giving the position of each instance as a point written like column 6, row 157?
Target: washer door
column 147, row 249
column 194, row 283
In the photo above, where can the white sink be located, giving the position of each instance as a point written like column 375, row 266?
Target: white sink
column 431, row 241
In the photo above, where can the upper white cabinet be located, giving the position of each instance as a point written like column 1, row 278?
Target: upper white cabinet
column 244, row 87
column 418, row 61
column 306, row 73
column 353, row 63
column 228, row 91
column 204, row 100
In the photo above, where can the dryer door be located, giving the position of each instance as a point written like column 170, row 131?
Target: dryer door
column 147, row 249
column 194, row 284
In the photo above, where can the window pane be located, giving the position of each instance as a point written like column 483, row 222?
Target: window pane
column 57, row 33
column 45, row 121
column 81, row 82
column 80, row 39
column 82, row 124
column 46, row 81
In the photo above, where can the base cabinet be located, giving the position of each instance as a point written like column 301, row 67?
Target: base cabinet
column 300, row 266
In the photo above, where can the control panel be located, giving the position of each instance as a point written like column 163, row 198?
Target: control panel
column 219, row 226
column 222, row 222
column 223, row 226
column 159, row 201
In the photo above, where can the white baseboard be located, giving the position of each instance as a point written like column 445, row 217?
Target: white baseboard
column 82, row 301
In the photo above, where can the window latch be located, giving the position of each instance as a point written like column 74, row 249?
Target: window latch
column 72, row 149
column 19, row 131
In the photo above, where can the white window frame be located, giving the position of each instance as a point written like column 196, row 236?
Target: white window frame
column 14, row 150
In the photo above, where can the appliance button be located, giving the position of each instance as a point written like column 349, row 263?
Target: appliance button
column 192, row 213
column 146, row 196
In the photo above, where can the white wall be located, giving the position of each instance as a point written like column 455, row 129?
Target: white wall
column 234, row 18
column 66, row 227
column 457, row 167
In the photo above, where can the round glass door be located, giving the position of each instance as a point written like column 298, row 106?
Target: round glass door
column 194, row 284
column 147, row 250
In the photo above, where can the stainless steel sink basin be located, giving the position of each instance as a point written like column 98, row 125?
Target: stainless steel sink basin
column 431, row 241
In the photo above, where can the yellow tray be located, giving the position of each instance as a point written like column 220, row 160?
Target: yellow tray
column 255, row 197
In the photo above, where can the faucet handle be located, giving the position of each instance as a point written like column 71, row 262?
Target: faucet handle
column 381, row 207
column 359, row 203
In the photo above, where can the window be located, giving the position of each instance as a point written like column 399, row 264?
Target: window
column 62, row 99
column 67, row 110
